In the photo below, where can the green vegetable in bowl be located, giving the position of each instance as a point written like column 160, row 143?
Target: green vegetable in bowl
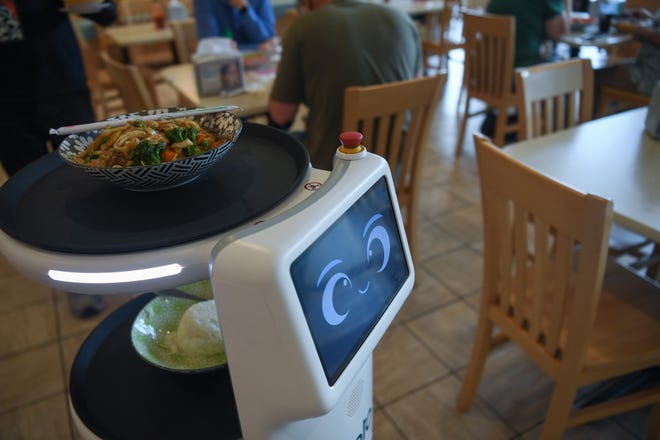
column 147, row 153
column 179, row 134
column 191, row 150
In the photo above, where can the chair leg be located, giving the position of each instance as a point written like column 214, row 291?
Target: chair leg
column 500, row 127
column 480, row 350
column 559, row 410
column 461, row 130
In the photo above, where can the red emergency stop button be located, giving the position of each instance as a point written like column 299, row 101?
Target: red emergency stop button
column 351, row 142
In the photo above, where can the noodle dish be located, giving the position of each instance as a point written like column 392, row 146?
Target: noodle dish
column 154, row 154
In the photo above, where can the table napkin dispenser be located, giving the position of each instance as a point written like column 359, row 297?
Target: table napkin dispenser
column 218, row 68
column 652, row 124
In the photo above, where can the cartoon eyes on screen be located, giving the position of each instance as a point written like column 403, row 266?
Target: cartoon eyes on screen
column 377, row 255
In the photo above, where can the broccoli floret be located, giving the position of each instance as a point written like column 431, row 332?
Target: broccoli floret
column 138, row 123
column 178, row 134
column 191, row 150
column 146, row 153
column 190, row 133
column 175, row 134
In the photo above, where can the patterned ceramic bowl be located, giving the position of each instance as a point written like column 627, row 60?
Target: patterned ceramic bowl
column 164, row 175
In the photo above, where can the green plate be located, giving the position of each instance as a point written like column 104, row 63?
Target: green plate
column 157, row 322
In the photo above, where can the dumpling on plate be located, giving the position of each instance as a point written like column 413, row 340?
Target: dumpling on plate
column 199, row 331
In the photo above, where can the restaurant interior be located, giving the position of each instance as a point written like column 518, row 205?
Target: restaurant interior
column 422, row 360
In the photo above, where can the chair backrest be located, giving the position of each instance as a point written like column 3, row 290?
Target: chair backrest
column 395, row 119
column 543, row 262
column 436, row 24
column 489, row 56
column 185, row 38
column 90, row 59
column 130, row 81
column 134, row 11
column 554, row 96
column 438, row 38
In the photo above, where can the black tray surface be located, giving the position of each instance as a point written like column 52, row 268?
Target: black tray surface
column 117, row 395
column 55, row 207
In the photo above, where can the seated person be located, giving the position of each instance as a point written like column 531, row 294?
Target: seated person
column 339, row 43
column 250, row 23
column 641, row 76
column 536, row 22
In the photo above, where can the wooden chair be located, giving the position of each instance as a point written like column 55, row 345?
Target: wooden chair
column 488, row 76
column 556, row 96
column 136, row 92
column 134, row 11
column 395, row 119
column 103, row 93
column 185, row 38
column 613, row 99
column 578, row 322
column 438, row 40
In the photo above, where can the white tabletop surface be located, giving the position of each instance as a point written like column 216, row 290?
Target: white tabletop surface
column 581, row 39
column 253, row 102
column 139, row 33
column 611, row 157
column 417, row 7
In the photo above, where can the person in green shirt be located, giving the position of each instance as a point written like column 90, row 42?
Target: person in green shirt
column 339, row 43
column 536, row 22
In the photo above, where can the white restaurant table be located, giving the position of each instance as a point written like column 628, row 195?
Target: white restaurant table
column 253, row 102
column 417, row 7
column 611, row 157
column 138, row 34
column 579, row 39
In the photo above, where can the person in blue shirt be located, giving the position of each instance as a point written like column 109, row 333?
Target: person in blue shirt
column 250, row 23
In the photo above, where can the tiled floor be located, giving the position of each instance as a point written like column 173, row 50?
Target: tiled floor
column 418, row 364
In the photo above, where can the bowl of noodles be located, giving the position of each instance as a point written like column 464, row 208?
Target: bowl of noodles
column 153, row 154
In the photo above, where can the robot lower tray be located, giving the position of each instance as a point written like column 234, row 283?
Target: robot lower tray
column 117, row 395
column 52, row 206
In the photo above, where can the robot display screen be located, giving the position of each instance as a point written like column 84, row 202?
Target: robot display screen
column 347, row 278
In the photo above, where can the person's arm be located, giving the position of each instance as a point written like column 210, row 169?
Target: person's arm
column 287, row 92
column 257, row 19
column 649, row 35
column 281, row 114
column 560, row 24
column 206, row 23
